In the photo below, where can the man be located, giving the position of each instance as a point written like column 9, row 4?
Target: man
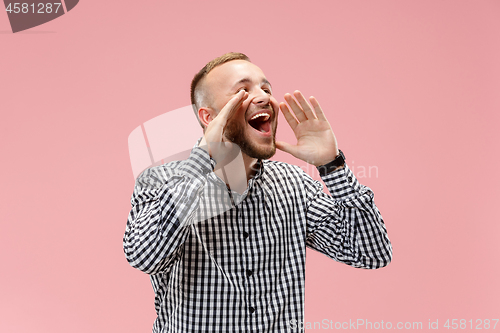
column 225, row 245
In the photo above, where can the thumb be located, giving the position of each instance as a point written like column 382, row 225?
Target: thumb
column 286, row 147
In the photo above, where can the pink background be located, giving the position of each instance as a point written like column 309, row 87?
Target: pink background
column 411, row 87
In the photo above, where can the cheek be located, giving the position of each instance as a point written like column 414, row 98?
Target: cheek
column 241, row 112
column 244, row 105
column 239, row 115
column 275, row 104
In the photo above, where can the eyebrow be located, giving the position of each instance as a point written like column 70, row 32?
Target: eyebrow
column 247, row 80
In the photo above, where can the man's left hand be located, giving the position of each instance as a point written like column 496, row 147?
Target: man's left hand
column 316, row 143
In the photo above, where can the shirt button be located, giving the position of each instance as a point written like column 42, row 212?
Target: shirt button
column 245, row 234
column 349, row 178
column 251, row 309
column 249, row 272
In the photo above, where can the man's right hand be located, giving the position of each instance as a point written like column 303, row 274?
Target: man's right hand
column 213, row 140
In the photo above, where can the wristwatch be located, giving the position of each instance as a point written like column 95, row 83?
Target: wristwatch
column 329, row 167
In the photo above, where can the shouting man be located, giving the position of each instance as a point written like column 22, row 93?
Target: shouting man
column 224, row 238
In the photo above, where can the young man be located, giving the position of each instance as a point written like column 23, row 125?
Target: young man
column 224, row 242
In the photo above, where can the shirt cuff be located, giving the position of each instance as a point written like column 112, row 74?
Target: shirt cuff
column 341, row 183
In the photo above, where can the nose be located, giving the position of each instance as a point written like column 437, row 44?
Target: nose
column 261, row 98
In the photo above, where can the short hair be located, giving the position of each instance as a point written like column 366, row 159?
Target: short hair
column 198, row 98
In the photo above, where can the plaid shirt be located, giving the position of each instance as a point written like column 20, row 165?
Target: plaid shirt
column 224, row 262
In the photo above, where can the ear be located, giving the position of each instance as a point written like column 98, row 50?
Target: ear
column 206, row 115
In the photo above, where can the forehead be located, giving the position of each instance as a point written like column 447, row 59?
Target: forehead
column 226, row 75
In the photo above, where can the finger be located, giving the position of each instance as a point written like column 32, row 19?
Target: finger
column 305, row 106
column 299, row 113
column 290, row 119
column 286, row 147
column 319, row 111
column 228, row 109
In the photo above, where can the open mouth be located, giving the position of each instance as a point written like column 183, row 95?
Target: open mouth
column 261, row 122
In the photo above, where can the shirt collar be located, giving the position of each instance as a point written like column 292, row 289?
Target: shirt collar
column 260, row 169
column 259, row 165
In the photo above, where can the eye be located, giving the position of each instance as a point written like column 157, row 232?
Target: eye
column 267, row 91
column 242, row 88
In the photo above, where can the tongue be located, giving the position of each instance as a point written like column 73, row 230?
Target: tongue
column 261, row 126
column 264, row 127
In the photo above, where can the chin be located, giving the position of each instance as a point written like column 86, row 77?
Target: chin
column 261, row 148
column 261, row 153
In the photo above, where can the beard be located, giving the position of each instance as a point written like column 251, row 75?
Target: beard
column 237, row 133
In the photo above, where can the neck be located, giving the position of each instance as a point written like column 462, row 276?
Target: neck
column 238, row 172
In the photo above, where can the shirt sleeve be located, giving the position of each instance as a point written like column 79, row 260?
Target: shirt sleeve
column 164, row 203
column 346, row 225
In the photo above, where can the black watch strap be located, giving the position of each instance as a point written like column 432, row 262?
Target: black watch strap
column 329, row 167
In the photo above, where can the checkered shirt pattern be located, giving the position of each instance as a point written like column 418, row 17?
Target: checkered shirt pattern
column 220, row 261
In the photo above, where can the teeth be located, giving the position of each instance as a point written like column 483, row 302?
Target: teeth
column 261, row 115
